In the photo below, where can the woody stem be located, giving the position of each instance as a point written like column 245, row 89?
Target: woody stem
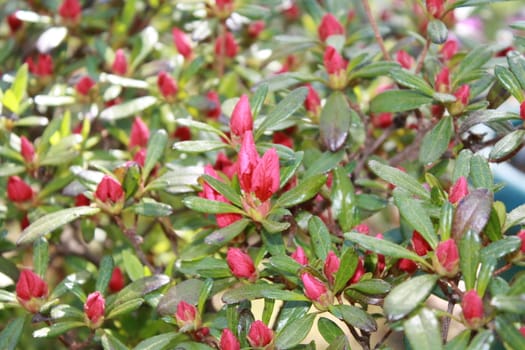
column 375, row 28
column 135, row 240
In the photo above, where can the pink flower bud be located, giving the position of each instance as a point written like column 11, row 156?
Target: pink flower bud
column 259, row 335
column 449, row 49
column 362, row 228
column 120, row 63
column 186, row 315
column 442, row 83
column 182, row 133
column 313, row 288
column 407, row 265
column 420, row 245
column 43, row 66
column 382, row 120
column 312, row 103
column 140, row 157
column 109, row 190
column 214, row 105
column 266, row 176
column 404, row 59
column 241, row 119
column 522, row 331
column 447, row 256
column 435, row 8
column 31, row 290
column 225, row 45
column 247, row 161
column 255, row 29
column 70, row 10
column 229, row 341
column 359, row 272
column 224, row 164
column 331, row 266
column 282, row 138
column 227, row 219
column 182, row 42
column 292, row 12
column 27, row 150
column 458, row 190
column 300, row 256
column 472, row 306
column 167, row 85
column 14, row 22
column 94, row 309
column 462, row 94
column 17, row 190
column 84, row 85
column 117, row 282
column 521, row 235
column 240, row 263
column 522, row 110
column 139, row 134
column 334, row 63
column 81, row 200
column 329, row 26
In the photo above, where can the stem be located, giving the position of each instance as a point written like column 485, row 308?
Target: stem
column 502, row 269
column 413, row 149
column 422, row 57
column 135, row 240
column 170, row 233
column 370, row 149
column 446, row 321
column 377, row 34
column 383, row 339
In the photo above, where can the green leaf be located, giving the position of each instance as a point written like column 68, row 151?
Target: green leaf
column 372, row 286
column 407, row 296
column 435, row 142
column 149, row 37
column 132, row 180
column 412, row 81
column 122, row 81
column 398, row 178
column 469, row 252
column 19, row 85
column 157, row 342
column 348, row 265
column 501, row 248
column 64, row 311
column 128, row 108
column 292, row 102
column 323, row 163
column 105, row 272
column 9, row 169
column 292, row 311
column 482, row 341
column 480, row 173
column 437, row 31
column 334, row 122
column 472, row 213
column 514, row 304
column 329, row 330
column 40, row 256
column 54, row 101
column 321, row 241
column 343, row 199
column 289, row 169
column 199, row 126
column 57, row 329
column 52, row 221
column 260, row 290
column 474, row 60
column 514, row 218
column 516, row 63
column 225, row 189
column 355, row 316
column 509, row 81
column 462, row 165
column 11, row 333
column 136, row 289
column 198, row 146
column 305, row 190
column 488, row 265
column 459, row 342
column 509, row 333
column 188, row 290
column 125, row 308
column 179, row 180
column 156, row 145
column 109, row 342
column 150, row 207
column 488, row 116
column 340, row 343
column 226, row 234
column 272, row 226
column 507, row 146
column 293, row 333
column 374, row 70
column 398, row 101
column 208, row 206
column 132, row 265
column 412, row 211
column 422, row 331
column 257, row 100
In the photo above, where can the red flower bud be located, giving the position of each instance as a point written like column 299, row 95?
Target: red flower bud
column 229, row 341
column 282, row 138
column 420, row 245
column 70, row 10
column 382, row 120
column 522, row 110
column 182, row 133
column 292, row 12
column 404, row 59
column 449, row 49
column 81, row 200
column 442, row 83
column 259, row 335
column 435, row 8
column 225, row 45
column 362, row 228
column 27, row 150
column 522, row 331
column 407, row 265
column 182, row 42
column 329, row 26
column 266, row 176
column 447, row 256
column 312, row 103
column 241, row 119
column 247, row 161
column 472, row 306
column 139, row 134
column 14, row 22
column 140, row 157
column 227, row 219
column 331, row 265
column 224, row 6
column 84, row 85
column 42, row 67
column 359, row 271
column 240, row 263
column 300, row 256
column 458, row 190
column 120, row 63
column 224, row 164
column 255, row 29
column 521, row 235
column 437, row 110
column 29, row 288
column 214, row 105
column 109, row 189
column 94, row 309
column 462, row 94
column 186, row 315
column 167, row 85
column 334, row 63
column 17, row 190
column 24, row 223
column 313, row 288
column 116, row 283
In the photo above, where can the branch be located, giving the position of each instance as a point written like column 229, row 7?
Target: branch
column 377, row 34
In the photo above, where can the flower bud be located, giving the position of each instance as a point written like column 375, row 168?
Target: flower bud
column 182, row 42
column 24, row 223
column 247, row 161
column 31, row 290
column 407, row 265
column 359, row 271
column 70, row 10
column 27, row 150
column 255, row 28
column 329, row 26
column 139, row 134
column 229, row 341
column 94, row 309
column 312, row 103
column 266, row 176
column 458, row 190
column 335, row 66
column 186, row 316
column 84, row 85
column 462, row 95
column 109, row 190
column 522, row 110
column 442, row 83
column 120, row 63
column 331, row 265
column 43, row 66
column 446, row 261
column 116, row 283
column 14, row 22
column 314, row 289
column 167, row 86
column 362, row 228
column 435, row 8
column 225, row 45
column 240, row 263
column 420, row 245
column 259, row 335
column 521, row 235
column 404, row 59
column 472, row 306
column 17, row 190
column 282, row 138
column 382, row 120
column 214, row 105
column 224, row 8
column 449, row 49
column 241, row 119
column 300, row 256
column 182, row 133
column 292, row 12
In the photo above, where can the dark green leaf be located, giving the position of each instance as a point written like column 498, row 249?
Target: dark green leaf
column 291, row 311
column 334, row 121
column 285, row 264
column 514, row 218
column 305, row 190
column 472, row 213
column 488, row 265
column 373, row 286
column 324, row 163
column 40, row 256
column 459, row 342
column 109, row 342
column 198, row 146
column 348, row 264
column 156, row 145
column 150, row 207
column 57, row 329
column 157, row 342
column 260, row 290
column 462, row 165
column 469, row 252
column 398, row 178
column 509, row 333
column 398, row 101
column 137, row 289
column 208, row 206
column 125, row 308
column 482, row 341
column 516, row 63
column 423, row 332
column 507, row 146
column 11, row 333
column 293, row 333
column 188, row 290
column 199, row 126
column 329, row 330
column 374, row 70
column 487, row 116
column 321, row 241
column 226, row 234
column 355, row 316
column 437, row 31
column 257, row 100
column 128, row 108
column 475, row 59
column 224, row 189
column 133, row 266
column 435, row 142
column 340, row 343
column 104, row 273
column 343, row 199
column 514, row 304
column 480, row 173
column 407, row 296
column 501, row 248
column 509, row 81
column 412, row 81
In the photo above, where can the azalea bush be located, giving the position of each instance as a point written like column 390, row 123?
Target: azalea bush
column 260, row 174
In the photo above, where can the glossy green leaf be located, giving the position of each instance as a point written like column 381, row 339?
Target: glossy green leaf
column 355, row 316
column 343, row 199
column 501, row 248
column 321, row 241
column 323, row 163
column 105, row 272
column 199, row 126
column 398, row 101
column 178, row 180
column 150, row 207
column 407, row 296
column 293, row 333
column 482, row 341
column 156, row 146
column 398, row 178
column 305, row 190
column 436, row 142
column 257, row 100
column 472, row 213
column 40, row 256
column 149, row 37
column 374, row 70
column 516, row 63
column 509, row 333
column 260, row 290
column 459, row 342
column 507, row 146
column 475, row 59
column 328, row 329
column 334, row 122
column 198, row 146
column 291, row 311
column 285, row 264
column 57, row 329
column 348, row 264
column 488, row 265
column 127, row 109
column 109, row 342
column 208, row 206
column 226, row 234
column 157, row 342
column 225, row 189
column 509, row 81
column 437, row 31
column 514, row 304
column 132, row 265
column 136, row 289
column 11, row 333
column 469, row 252
column 487, row 116
column 462, row 165
column 125, row 308
column 423, row 331
column 54, row 101
column 188, row 290
column 372, row 286
column 340, row 343
column 480, row 173
column 412, row 81
column 515, row 217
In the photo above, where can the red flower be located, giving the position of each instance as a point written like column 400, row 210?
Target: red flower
column 259, row 335
column 116, row 283
column 447, row 256
column 329, row 26
column 255, row 29
column 225, row 45
column 70, row 10
column 182, row 43
column 120, row 63
column 214, row 105
column 420, row 245
column 167, row 85
column 458, row 190
column 17, row 190
column 186, row 315
column 472, row 306
column 42, row 67
column 247, row 161
column 224, row 5
column 109, row 189
column 27, row 150
column 240, row 263
column 442, row 83
column 404, row 59
column 463, row 94
column 84, row 85
column 241, row 119
column 313, row 288
column 435, row 8
column 312, row 103
column 300, row 256
column 331, row 266
column 266, row 177
column 94, row 309
column 334, row 63
column 224, row 164
column 81, row 200
column 14, row 22
column 449, row 49
column 29, row 288
column 139, row 134
column 407, row 265
column 229, row 341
